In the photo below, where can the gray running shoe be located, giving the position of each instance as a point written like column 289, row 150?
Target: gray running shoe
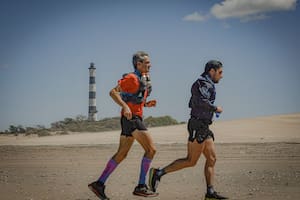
column 142, row 190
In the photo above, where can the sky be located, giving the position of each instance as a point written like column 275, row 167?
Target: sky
column 46, row 48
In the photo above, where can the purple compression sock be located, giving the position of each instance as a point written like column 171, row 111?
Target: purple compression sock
column 110, row 167
column 144, row 170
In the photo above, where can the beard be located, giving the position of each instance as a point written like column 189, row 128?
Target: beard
column 216, row 81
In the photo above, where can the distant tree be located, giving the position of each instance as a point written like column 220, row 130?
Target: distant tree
column 68, row 120
column 41, row 127
column 13, row 129
column 20, row 129
column 30, row 130
column 80, row 118
column 57, row 125
column 16, row 129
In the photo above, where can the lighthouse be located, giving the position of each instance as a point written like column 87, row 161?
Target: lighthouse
column 92, row 94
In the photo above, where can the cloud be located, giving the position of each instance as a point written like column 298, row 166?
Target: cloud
column 195, row 17
column 249, row 10
column 254, row 18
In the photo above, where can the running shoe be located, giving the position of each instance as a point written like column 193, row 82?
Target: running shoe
column 214, row 196
column 98, row 189
column 154, row 179
column 142, row 190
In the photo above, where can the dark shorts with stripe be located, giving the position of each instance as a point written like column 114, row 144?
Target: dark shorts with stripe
column 128, row 126
column 199, row 130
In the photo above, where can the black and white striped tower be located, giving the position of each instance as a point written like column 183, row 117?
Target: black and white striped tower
column 92, row 94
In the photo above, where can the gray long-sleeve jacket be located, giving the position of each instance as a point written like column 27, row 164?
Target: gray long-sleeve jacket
column 203, row 98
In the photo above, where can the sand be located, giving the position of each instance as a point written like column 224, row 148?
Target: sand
column 256, row 159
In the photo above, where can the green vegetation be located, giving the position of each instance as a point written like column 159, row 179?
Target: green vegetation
column 160, row 121
column 81, row 124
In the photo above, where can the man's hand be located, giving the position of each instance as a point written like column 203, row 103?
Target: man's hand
column 127, row 112
column 219, row 109
column 115, row 95
column 151, row 103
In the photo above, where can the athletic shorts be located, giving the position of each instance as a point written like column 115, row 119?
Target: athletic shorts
column 199, row 130
column 128, row 126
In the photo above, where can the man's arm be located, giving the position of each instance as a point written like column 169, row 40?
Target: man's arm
column 115, row 95
column 205, row 95
column 151, row 103
column 206, row 104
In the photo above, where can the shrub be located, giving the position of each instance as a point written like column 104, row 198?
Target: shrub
column 43, row 132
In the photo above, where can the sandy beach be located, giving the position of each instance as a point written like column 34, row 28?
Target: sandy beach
column 256, row 159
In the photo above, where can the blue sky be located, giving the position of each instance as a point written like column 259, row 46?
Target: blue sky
column 46, row 48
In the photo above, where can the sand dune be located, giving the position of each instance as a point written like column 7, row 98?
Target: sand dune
column 279, row 128
column 256, row 159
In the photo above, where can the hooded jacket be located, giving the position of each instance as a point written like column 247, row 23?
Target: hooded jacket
column 203, row 98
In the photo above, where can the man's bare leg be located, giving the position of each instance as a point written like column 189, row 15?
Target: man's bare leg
column 124, row 147
column 209, row 169
column 98, row 186
column 194, row 151
column 210, row 155
column 145, row 140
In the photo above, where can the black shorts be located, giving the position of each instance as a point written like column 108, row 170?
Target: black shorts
column 128, row 126
column 199, row 130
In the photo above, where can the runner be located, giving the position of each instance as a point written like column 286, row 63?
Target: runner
column 131, row 93
column 201, row 138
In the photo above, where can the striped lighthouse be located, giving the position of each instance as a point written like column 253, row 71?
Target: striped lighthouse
column 92, row 94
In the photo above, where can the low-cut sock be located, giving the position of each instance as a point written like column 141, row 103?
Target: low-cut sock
column 161, row 172
column 210, row 189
